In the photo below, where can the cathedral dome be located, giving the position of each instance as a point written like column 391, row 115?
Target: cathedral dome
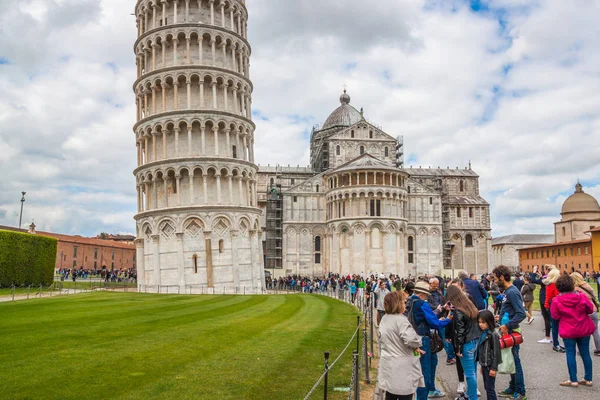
column 344, row 115
column 580, row 202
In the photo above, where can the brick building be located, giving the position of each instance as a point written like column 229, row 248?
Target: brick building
column 89, row 253
column 576, row 236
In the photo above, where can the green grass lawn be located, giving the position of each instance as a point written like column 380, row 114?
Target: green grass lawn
column 107, row 345
column 57, row 285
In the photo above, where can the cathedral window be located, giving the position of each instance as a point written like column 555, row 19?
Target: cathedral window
column 387, row 152
column 411, row 249
column 362, row 150
column 375, row 209
column 234, row 151
column 272, row 181
column 195, row 260
column 317, row 189
column 370, row 134
column 352, row 134
column 462, row 186
column 564, row 231
column 292, row 181
column 470, row 212
column 458, row 214
column 295, row 199
column 431, row 200
column 408, row 188
column 469, row 240
column 221, row 246
column 337, row 150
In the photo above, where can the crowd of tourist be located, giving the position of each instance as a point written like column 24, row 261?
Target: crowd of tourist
column 468, row 317
column 114, row 275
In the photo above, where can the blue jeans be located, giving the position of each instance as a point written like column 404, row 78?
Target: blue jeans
column 554, row 324
column 428, row 366
column 517, row 380
column 584, row 350
column 448, row 348
column 489, row 384
column 470, row 367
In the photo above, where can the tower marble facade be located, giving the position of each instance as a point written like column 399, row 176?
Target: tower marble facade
column 198, row 219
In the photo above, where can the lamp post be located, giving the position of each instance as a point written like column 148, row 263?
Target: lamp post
column 21, row 215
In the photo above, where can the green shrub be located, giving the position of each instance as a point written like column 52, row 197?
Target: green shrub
column 26, row 259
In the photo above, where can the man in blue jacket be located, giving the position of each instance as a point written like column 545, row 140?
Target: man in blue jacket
column 475, row 289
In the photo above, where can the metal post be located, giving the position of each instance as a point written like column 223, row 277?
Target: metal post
column 13, row 292
column 366, row 356
column 28, row 287
column 40, row 290
column 355, row 372
column 21, row 214
column 325, row 383
column 371, row 321
column 357, row 335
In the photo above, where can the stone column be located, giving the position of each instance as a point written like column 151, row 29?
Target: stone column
column 230, row 179
column 166, row 188
column 204, row 189
column 214, row 52
column 188, row 54
column 218, row 178
column 189, row 94
column 216, row 135
column 225, row 86
column 192, row 187
column 154, row 146
column 201, row 94
column 175, row 11
column 214, row 93
column 178, row 185
column 175, row 96
column 139, row 262
column 367, row 247
column 153, row 57
column 209, row 261
column 222, row 5
column 181, row 266
column 187, row 10
column 200, row 55
column 175, row 42
column 252, row 233
column 240, row 191
column 153, row 88
column 189, row 129
column 231, row 17
column 203, row 140
column 156, row 259
column 164, row 97
column 235, row 259
column 212, row 11
column 177, row 130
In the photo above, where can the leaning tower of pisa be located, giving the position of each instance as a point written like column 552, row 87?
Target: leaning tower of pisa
column 197, row 221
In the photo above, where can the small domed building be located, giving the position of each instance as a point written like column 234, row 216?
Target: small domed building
column 580, row 213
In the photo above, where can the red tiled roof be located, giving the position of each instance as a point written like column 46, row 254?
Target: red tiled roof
column 558, row 244
column 597, row 229
column 76, row 239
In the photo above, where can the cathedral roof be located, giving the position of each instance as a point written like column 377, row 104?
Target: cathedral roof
column 344, row 115
column 580, row 202
column 522, row 239
column 366, row 161
column 440, row 172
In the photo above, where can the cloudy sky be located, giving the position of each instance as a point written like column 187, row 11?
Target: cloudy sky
column 511, row 85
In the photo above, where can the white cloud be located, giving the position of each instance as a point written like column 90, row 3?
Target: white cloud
column 519, row 98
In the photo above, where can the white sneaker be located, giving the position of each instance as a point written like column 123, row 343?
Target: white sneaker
column 545, row 341
column 461, row 387
column 478, row 393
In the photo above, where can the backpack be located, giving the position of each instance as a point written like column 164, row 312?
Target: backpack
column 410, row 314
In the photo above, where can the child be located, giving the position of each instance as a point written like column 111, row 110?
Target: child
column 488, row 352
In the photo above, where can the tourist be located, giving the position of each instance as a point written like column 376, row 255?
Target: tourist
column 353, row 292
column 475, row 289
column 488, row 352
column 451, row 340
column 399, row 344
column 537, row 277
column 436, row 301
column 583, row 287
column 380, row 292
column 551, row 293
column 466, row 335
column 572, row 309
column 527, row 293
column 513, row 306
column 518, row 282
column 423, row 319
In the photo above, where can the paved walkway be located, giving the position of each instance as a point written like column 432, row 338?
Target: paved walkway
column 543, row 368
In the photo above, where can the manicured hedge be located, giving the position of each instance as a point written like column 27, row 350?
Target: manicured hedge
column 26, row 259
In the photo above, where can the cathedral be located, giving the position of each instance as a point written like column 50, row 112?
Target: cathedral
column 357, row 209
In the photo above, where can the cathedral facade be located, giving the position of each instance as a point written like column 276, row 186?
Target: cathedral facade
column 356, row 209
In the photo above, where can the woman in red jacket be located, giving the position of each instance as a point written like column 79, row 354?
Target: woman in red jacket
column 572, row 309
column 551, row 293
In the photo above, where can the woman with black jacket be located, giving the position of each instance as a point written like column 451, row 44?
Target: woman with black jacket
column 488, row 353
column 466, row 335
column 537, row 277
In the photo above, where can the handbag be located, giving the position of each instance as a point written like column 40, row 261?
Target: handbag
column 437, row 344
column 508, row 363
